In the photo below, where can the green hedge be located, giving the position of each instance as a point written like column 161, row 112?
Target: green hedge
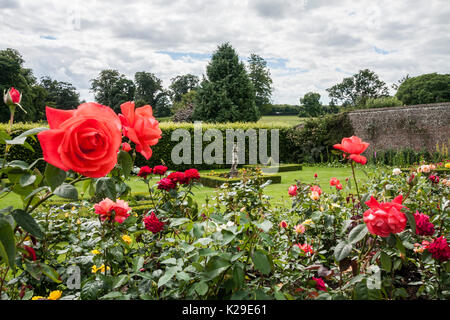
column 214, row 182
column 281, row 167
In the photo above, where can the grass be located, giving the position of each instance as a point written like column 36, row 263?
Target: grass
column 278, row 192
column 291, row 120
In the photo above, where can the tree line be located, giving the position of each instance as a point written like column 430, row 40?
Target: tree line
column 230, row 91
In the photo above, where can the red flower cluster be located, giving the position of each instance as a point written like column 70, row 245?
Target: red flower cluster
column 153, row 224
column 353, row 147
column 160, row 170
column 423, row 225
column 306, row 248
column 320, row 284
column 335, row 182
column 166, row 184
column 433, row 178
column 385, row 218
column 178, row 178
column 439, row 249
column 107, row 207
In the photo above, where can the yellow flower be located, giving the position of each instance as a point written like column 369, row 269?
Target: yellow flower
column 101, row 269
column 447, row 165
column 27, row 238
column 55, row 295
column 73, row 208
column 66, row 215
column 308, row 222
column 78, row 221
column 38, row 298
column 127, row 239
column 95, row 251
column 321, row 208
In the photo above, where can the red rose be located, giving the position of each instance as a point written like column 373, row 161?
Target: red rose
column 316, row 189
column 306, row 248
column 292, row 191
column 153, row 224
column 385, row 218
column 439, row 249
column 31, row 253
column 339, row 186
column 140, row 126
column 161, row 170
column 283, row 224
column 178, row 177
column 144, row 172
column 166, row 184
column 12, row 96
column 126, row 147
column 353, row 147
column 85, row 140
column 423, row 225
column 320, row 284
column 192, row 174
column 334, row 181
column 107, row 207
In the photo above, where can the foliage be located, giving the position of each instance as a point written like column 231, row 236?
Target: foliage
column 283, row 109
column 60, row 95
column 383, row 102
column 310, row 105
column 112, row 89
column 227, row 93
column 355, row 90
column 312, row 141
column 259, row 74
column 183, row 109
column 426, row 88
column 181, row 85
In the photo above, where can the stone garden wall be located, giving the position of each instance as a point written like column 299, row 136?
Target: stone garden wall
column 417, row 127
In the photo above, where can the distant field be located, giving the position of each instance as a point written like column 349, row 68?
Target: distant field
column 292, row 120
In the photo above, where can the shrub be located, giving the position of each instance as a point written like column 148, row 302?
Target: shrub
column 383, row 102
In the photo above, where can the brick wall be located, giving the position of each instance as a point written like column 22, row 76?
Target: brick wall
column 417, row 127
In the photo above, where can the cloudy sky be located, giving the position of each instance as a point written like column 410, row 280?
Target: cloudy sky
column 309, row 45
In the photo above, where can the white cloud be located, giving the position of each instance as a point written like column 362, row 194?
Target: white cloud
column 320, row 42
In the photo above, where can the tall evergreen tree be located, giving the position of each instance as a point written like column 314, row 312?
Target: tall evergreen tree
column 227, row 93
column 260, row 76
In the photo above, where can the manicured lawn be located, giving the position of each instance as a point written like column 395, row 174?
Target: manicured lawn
column 292, row 120
column 278, row 192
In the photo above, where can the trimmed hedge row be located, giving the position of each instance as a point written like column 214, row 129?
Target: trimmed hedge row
column 281, row 168
column 214, row 182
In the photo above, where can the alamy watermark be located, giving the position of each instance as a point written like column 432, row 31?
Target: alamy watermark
column 235, row 139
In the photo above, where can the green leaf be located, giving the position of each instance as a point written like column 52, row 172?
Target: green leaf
column 20, row 139
column 36, row 191
column 238, row 276
column 266, row 225
column 261, row 262
column 178, row 221
column 138, row 263
column 357, row 233
column 342, row 250
column 386, row 261
column 54, row 176
column 66, row 191
column 7, row 242
column 27, row 222
column 170, row 272
column 50, row 272
column 201, row 288
column 400, row 245
column 125, row 162
column 91, row 290
column 105, row 188
column 27, row 179
column 411, row 221
column 112, row 295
